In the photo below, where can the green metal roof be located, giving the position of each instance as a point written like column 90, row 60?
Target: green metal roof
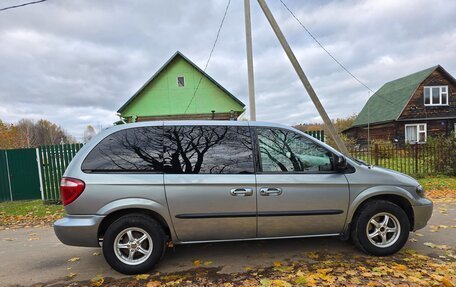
column 179, row 54
column 388, row 102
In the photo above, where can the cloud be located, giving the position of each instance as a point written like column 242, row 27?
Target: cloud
column 76, row 62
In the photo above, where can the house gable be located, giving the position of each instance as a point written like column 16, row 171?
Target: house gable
column 162, row 95
column 388, row 102
column 416, row 109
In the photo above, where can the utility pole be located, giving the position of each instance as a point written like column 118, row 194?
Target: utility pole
column 248, row 38
column 302, row 76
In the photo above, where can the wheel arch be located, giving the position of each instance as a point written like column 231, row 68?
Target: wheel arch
column 401, row 198
column 123, row 207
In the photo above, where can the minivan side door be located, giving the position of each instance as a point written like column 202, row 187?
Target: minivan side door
column 299, row 191
column 210, row 181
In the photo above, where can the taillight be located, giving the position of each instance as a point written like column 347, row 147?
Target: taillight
column 70, row 188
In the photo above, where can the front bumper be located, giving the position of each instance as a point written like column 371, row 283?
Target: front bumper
column 78, row 230
column 422, row 213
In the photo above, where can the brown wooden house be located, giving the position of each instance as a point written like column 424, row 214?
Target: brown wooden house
column 410, row 109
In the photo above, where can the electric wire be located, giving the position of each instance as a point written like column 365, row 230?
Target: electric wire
column 21, row 5
column 331, row 55
column 210, row 54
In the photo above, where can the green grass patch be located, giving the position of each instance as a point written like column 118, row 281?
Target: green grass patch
column 29, row 207
column 439, row 183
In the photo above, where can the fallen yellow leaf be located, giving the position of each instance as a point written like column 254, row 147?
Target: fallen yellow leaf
column 207, row 263
column 74, row 259
column 401, row 267
column 197, row 262
column 142, row 276
column 301, row 280
column 248, row 268
column 277, row 263
column 97, row 281
column 312, row 255
column 280, row 283
column 153, row 284
column 446, row 282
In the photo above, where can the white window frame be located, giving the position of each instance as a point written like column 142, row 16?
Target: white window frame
column 177, row 80
column 441, row 93
column 417, row 133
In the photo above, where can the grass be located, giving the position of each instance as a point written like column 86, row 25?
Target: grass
column 28, row 207
column 439, row 183
column 28, row 213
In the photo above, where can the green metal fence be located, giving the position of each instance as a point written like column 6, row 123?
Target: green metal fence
column 319, row 135
column 419, row 160
column 53, row 161
column 19, row 177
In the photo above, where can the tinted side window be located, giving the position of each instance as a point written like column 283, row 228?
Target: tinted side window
column 286, row 151
column 129, row 150
column 208, row 149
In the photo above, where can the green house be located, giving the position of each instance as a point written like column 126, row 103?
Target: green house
column 180, row 90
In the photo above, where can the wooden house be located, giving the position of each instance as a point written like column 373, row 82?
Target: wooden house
column 410, row 109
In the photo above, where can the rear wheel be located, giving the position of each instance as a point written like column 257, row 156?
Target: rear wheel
column 380, row 228
column 133, row 244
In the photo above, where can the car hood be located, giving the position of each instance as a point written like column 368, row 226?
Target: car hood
column 396, row 177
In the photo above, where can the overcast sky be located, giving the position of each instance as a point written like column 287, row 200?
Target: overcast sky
column 76, row 62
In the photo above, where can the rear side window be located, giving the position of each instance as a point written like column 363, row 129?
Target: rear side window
column 130, row 150
column 286, row 151
column 208, row 150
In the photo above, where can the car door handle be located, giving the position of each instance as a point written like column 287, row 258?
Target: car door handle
column 267, row 191
column 241, row 192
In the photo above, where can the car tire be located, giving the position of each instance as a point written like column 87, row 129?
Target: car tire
column 133, row 244
column 380, row 228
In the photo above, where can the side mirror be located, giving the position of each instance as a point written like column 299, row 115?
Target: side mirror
column 340, row 162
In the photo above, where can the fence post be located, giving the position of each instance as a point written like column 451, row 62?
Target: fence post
column 416, row 158
column 38, row 161
column 9, row 176
column 376, row 154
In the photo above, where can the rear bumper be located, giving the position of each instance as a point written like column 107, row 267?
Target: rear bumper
column 422, row 213
column 78, row 230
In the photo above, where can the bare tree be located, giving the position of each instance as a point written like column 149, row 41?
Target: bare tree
column 26, row 129
column 89, row 133
column 27, row 134
column 190, row 146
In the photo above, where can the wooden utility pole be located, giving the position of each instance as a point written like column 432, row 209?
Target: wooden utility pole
column 248, row 38
column 302, row 76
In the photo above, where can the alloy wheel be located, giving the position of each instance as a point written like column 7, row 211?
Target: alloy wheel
column 383, row 229
column 133, row 246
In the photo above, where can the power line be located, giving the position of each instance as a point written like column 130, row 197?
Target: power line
column 22, row 5
column 331, row 55
column 210, row 55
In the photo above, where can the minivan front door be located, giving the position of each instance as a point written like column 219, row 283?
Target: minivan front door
column 299, row 193
column 210, row 181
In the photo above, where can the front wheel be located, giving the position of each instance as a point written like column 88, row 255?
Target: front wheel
column 133, row 244
column 381, row 228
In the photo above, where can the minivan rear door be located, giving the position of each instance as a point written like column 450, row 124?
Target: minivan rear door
column 299, row 193
column 210, row 181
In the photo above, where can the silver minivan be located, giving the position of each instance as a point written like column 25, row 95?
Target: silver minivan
column 134, row 187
